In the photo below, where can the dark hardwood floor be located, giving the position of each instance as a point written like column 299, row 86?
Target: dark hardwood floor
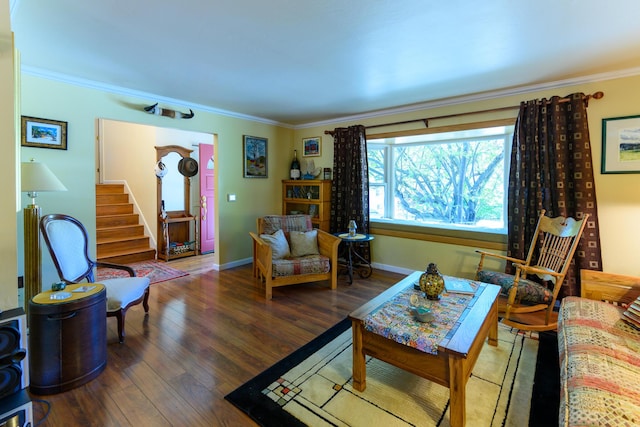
column 205, row 335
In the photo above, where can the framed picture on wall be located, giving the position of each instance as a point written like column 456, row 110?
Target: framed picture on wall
column 311, row 147
column 621, row 145
column 43, row 133
column 254, row 155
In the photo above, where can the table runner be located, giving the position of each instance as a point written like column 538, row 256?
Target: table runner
column 394, row 321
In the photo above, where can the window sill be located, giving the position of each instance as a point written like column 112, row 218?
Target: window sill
column 483, row 240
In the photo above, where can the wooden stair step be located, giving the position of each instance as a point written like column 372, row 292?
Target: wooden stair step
column 107, row 199
column 128, row 256
column 116, row 220
column 110, row 189
column 119, row 231
column 125, row 244
column 114, row 209
column 131, row 238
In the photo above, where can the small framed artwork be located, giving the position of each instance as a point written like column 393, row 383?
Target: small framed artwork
column 254, row 155
column 43, row 133
column 311, row 147
column 621, row 145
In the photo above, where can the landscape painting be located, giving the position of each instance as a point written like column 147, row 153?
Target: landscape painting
column 43, row 133
column 629, row 145
column 255, row 156
column 621, row 145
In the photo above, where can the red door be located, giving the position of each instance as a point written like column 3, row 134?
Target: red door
column 207, row 223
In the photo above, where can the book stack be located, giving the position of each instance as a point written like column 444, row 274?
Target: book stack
column 632, row 314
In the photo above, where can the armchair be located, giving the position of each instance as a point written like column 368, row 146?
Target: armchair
column 286, row 251
column 68, row 245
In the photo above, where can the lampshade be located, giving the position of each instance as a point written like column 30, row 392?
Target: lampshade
column 37, row 177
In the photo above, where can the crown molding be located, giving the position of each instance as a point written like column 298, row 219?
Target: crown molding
column 92, row 84
column 484, row 96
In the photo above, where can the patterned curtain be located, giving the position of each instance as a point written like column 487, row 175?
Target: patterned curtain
column 552, row 169
column 350, row 187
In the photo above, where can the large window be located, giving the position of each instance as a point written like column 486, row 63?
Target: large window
column 447, row 180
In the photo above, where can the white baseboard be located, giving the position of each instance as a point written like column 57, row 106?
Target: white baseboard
column 233, row 264
column 392, row 268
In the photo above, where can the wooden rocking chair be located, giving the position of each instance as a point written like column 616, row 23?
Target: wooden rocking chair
column 526, row 304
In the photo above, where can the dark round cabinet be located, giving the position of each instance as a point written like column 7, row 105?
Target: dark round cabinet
column 67, row 338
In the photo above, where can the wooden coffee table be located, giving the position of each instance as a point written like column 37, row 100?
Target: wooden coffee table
column 457, row 354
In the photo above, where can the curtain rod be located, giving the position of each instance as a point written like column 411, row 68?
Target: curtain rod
column 596, row 95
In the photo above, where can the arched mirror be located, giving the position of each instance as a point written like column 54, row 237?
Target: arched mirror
column 173, row 183
column 173, row 188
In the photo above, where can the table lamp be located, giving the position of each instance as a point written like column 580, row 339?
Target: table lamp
column 35, row 177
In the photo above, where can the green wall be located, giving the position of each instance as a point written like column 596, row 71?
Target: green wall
column 76, row 167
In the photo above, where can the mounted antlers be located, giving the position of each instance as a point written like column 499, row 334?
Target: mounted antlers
column 154, row 109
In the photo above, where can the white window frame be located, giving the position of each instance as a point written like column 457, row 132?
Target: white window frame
column 441, row 229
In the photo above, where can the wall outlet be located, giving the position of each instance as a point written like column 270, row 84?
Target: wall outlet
column 231, row 197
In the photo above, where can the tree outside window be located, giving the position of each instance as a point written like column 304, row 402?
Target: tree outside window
column 452, row 180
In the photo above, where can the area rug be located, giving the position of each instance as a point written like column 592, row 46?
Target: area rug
column 154, row 270
column 313, row 387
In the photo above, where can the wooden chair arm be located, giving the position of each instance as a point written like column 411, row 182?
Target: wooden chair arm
column 262, row 255
column 610, row 287
column 504, row 257
column 263, row 250
column 328, row 245
column 543, row 273
column 126, row 268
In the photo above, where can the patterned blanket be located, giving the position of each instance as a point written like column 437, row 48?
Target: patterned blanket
column 599, row 365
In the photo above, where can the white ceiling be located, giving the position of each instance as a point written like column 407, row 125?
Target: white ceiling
column 298, row 62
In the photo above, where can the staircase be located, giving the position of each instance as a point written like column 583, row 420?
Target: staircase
column 120, row 237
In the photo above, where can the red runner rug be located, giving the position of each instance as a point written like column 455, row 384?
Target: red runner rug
column 154, row 270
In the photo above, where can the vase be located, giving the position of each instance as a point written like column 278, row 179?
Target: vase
column 432, row 282
column 352, row 228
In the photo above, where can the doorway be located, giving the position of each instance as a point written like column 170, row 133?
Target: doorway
column 126, row 154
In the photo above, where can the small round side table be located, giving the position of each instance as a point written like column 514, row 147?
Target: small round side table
column 67, row 337
column 361, row 265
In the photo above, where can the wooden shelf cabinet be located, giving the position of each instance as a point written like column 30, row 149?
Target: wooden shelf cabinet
column 175, row 240
column 177, row 226
column 310, row 197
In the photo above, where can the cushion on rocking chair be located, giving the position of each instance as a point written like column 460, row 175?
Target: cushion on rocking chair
column 528, row 291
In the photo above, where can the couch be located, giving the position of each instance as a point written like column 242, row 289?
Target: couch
column 287, row 250
column 599, row 353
